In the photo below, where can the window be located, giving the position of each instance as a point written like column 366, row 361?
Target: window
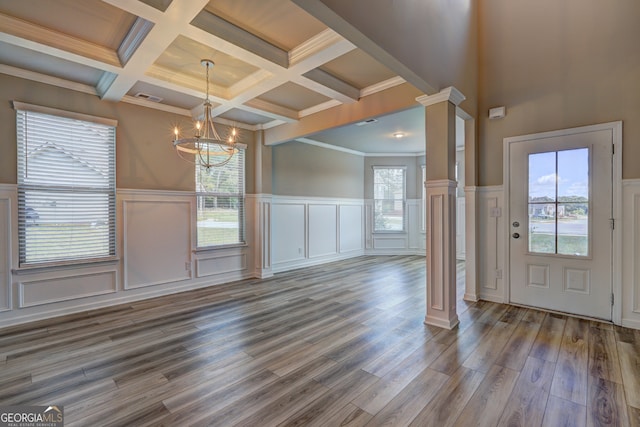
column 66, row 186
column 388, row 198
column 220, row 200
column 559, row 202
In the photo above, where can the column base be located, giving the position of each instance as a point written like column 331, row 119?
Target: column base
column 442, row 323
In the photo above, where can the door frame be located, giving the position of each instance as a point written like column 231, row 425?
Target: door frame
column 616, row 261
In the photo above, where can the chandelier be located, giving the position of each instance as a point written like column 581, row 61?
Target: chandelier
column 206, row 147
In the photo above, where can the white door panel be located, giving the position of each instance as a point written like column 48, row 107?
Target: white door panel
column 560, row 205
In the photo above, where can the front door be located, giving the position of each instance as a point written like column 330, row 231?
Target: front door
column 560, row 210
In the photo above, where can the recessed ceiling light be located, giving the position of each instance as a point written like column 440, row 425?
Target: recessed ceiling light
column 398, row 135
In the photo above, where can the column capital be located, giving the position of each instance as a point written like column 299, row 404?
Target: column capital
column 450, row 94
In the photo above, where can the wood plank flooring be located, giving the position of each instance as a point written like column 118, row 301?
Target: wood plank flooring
column 337, row 344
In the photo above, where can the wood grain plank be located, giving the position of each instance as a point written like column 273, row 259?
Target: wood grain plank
column 547, row 343
column 606, row 405
column 408, row 404
column 563, row 413
column 485, row 354
column 318, row 412
column 488, row 401
column 603, row 355
column 570, row 377
column 349, row 416
column 445, row 408
column 516, row 351
column 527, row 403
column 634, row 416
column 461, row 348
column 382, row 392
column 630, row 369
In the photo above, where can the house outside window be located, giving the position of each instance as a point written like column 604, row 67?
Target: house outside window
column 389, row 198
column 220, row 199
column 66, row 186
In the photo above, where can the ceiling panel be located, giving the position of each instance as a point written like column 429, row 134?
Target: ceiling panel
column 91, row 20
column 358, row 69
column 280, row 22
column 293, row 96
column 158, row 4
column 241, row 116
column 31, row 60
column 183, row 57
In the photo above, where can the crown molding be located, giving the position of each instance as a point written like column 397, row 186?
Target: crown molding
column 450, row 94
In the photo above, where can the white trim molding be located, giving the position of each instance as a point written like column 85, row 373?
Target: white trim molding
column 450, row 94
column 441, row 259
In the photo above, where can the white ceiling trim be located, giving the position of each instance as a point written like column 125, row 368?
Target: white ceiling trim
column 178, row 15
column 379, row 87
column 320, row 107
column 394, row 154
column 50, row 80
column 74, row 49
column 330, row 146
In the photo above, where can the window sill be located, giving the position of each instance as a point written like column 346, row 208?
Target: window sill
column 206, row 249
column 68, row 265
column 389, row 232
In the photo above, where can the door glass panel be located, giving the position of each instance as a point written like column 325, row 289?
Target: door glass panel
column 542, row 228
column 542, row 177
column 559, row 202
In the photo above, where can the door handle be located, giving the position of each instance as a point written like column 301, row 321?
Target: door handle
column 516, row 235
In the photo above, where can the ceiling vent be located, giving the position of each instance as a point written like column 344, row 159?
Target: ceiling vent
column 148, row 97
column 367, row 122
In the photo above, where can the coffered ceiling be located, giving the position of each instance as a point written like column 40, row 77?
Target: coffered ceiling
column 274, row 63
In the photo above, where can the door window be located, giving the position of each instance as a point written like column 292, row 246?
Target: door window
column 558, row 196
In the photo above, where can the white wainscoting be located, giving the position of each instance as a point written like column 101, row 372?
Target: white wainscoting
column 258, row 234
column 288, row 232
column 5, row 247
column 156, row 256
column 491, row 253
column 323, row 230
column 156, row 239
column 72, row 285
column 216, row 263
column 351, row 230
column 412, row 241
column 630, row 298
column 310, row 231
column 460, row 229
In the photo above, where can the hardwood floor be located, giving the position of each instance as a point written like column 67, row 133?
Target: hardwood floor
column 337, row 344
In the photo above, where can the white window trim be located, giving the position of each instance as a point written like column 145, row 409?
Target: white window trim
column 74, row 263
column 404, row 199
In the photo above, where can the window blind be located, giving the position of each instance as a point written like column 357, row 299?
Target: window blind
column 66, row 188
column 220, row 202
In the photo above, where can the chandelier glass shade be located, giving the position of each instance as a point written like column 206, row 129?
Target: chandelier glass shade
column 206, row 147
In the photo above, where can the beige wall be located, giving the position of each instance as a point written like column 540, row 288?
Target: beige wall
column 144, row 155
column 555, row 65
column 308, row 171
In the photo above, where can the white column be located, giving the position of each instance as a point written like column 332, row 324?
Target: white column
column 441, row 206
column 441, row 253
